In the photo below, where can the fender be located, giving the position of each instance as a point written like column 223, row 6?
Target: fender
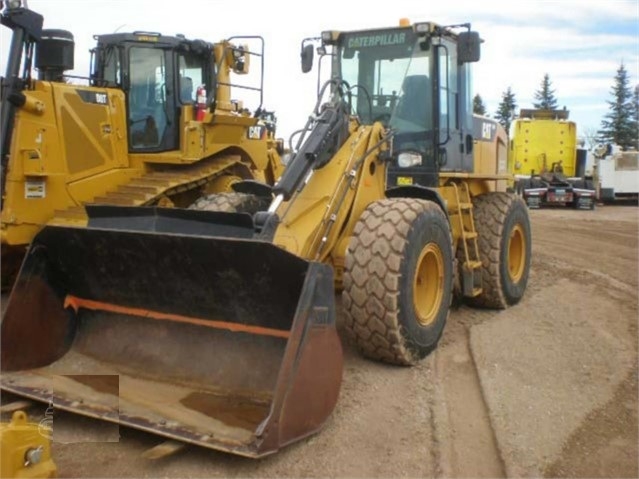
column 420, row 192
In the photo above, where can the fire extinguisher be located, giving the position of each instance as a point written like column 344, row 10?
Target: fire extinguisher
column 200, row 104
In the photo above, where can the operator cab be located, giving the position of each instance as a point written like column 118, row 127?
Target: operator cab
column 159, row 75
column 416, row 81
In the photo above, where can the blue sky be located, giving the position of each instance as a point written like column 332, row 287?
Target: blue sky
column 579, row 43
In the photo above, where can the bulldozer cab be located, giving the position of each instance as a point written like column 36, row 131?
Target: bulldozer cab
column 416, row 81
column 159, row 75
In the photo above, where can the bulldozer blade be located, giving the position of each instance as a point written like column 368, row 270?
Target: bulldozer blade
column 220, row 342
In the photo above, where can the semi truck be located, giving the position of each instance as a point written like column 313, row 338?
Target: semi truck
column 548, row 167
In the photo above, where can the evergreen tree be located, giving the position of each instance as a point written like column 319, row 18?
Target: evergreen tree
column 619, row 125
column 635, row 116
column 545, row 96
column 478, row 105
column 506, row 110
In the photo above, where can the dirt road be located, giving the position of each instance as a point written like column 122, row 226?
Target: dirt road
column 546, row 388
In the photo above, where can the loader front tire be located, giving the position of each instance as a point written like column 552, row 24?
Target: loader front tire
column 398, row 280
column 503, row 225
column 231, row 203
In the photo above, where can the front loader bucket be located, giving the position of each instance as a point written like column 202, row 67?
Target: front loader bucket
column 222, row 342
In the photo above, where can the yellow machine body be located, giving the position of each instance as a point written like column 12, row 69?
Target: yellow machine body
column 312, row 230
column 71, row 153
column 71, row 145
column 25, row 449
column 543, row 141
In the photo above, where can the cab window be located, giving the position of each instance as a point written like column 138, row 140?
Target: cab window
column 191, row 69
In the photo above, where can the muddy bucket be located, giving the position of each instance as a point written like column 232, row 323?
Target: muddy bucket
column 221, row 342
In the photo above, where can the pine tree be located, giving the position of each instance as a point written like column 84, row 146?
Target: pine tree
column 545, row 96
column 506, row 109
column 478, row 105
column 619, row 125
column 635, row 116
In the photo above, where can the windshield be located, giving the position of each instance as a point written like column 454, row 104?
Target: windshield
column 389, row 76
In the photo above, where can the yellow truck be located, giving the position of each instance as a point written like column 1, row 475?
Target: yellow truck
column 548, row 167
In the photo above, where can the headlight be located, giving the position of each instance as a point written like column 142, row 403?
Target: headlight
column 14, row 4
column 409, row 158
column 423, row 27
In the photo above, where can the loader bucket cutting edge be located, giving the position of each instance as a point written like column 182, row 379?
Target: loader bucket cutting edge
column 225, row 343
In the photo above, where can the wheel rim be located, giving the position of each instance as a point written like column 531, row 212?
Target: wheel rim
column 428, row 284
column 516, row 253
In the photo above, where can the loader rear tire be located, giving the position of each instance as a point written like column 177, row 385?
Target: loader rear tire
column 398, row 280
column 503, row 225
column 231, row 203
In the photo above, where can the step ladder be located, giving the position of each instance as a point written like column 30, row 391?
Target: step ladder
column 471, row 280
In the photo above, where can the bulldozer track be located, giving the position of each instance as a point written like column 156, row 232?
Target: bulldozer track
column 148, row 188
column 231, row 203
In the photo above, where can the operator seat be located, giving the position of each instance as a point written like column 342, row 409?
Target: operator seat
column 186, row 89
column 415, row 105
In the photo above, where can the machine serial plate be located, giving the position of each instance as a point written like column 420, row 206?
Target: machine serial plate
column 35, row 189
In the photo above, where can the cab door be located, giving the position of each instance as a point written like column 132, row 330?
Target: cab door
column 454, row 154
column 151, row 100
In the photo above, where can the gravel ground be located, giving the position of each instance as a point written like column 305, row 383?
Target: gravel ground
column 546, row 388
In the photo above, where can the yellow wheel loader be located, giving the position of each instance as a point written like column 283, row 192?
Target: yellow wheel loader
column 216, row 324
column 154, row 124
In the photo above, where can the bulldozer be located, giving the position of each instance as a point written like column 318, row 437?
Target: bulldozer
column 154, row 123
column 215, row 325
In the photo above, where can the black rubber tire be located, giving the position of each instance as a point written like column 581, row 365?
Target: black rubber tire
column 577, row 184
column 379, row 273
column 231, row 203
column 590, row 185
column 496, row 217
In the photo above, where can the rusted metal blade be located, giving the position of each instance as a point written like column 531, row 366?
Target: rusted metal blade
column 224, row 343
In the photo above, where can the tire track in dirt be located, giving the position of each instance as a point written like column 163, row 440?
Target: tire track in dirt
column 587, row 269
column 462, row 427
column 605, row 445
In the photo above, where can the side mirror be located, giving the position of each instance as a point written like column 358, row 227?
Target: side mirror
column 307, row 55
column 468, row 47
